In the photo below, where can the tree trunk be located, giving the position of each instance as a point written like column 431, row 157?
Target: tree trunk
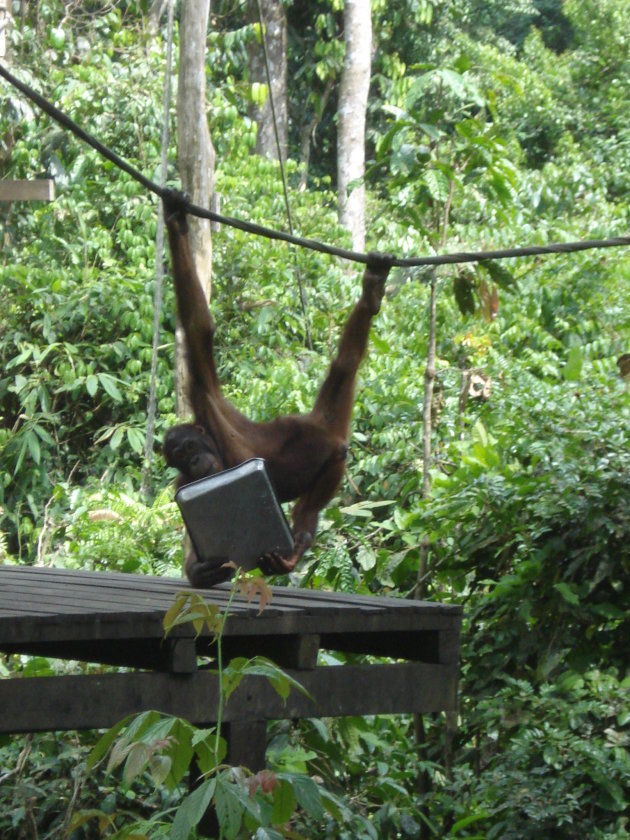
column 196, row 159
column 156, row 10
column 275, row 35
column 353, row 95
column 4, row 25
column 427, row 409
column 147, row 489
column 307, row 134
column 424, row 781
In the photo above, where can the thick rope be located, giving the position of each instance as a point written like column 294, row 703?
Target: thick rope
column 312, row 244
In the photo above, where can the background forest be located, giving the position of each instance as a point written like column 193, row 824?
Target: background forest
column 490, row 125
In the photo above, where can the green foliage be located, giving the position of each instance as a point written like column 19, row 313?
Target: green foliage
column 572, row 739
column 544, row 523
column 77, row 283
column 115, row 530
column 490, row 124
column 166, row 746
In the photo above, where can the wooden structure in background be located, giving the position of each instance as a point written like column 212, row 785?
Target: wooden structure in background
column 116, row 619
column 38, row 190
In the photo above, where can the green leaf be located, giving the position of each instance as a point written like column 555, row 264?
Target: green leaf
column 229, row 809
column 308, row 796
column 366, row 558
column 105, row 742
column 233, row 674
column 57, row 37
column 140, row 723
column 480, row 434
column 200, row 736
column 500, row 274
column 438, row 185
column 364, row 509
column 44, row 436
column 567, row 593
column 137, row 760
column 573, row 368
column 283, row 803
column 623, row 718
column 433, row 131
column 333, row 805
column 418, row 88
column 33, row 446
column 109, row 385
column 569, row 681
column 136, row 440
column 91, row 384
column 463, row 295
column 403, row 160
column 258, row 93
column 466, row 821
column 116, row 438
column 265, row 833
column 380, row 344
column 192, row 809
column 260, row 666
column 119, row 753
column 182, row 754
column 160, row 767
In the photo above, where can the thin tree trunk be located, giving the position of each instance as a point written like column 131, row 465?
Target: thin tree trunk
column 275, row 35
column 159, row 260
column 423, row 780
column 156, row 11
column 307, row 134
column 429, row 382
column 353, row 95
column 4, row 25
column 196, row 159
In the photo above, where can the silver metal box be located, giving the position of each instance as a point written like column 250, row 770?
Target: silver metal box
column 235, row 515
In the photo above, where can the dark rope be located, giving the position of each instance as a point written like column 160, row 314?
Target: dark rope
column 312, row 244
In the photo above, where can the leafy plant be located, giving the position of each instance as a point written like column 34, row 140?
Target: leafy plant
column 167, row 746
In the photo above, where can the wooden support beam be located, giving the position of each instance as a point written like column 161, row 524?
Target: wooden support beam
column 289, row 651
column 95, row 701
column 42, row 189
column 177, row 655
column 247, row 744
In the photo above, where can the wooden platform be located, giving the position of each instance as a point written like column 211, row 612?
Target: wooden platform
column 116, row 619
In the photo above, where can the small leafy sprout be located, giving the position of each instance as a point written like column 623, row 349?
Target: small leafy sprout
column 192, row 608
column 259, row 666
column 252, row 586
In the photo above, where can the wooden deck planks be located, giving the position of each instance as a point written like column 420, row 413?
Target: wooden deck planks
column 61, row 591
column 111, row 593
column 137, row 584
column 41, row 609
column 116, row 618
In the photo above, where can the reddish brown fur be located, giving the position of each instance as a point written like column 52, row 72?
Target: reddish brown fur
column 304, row 454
